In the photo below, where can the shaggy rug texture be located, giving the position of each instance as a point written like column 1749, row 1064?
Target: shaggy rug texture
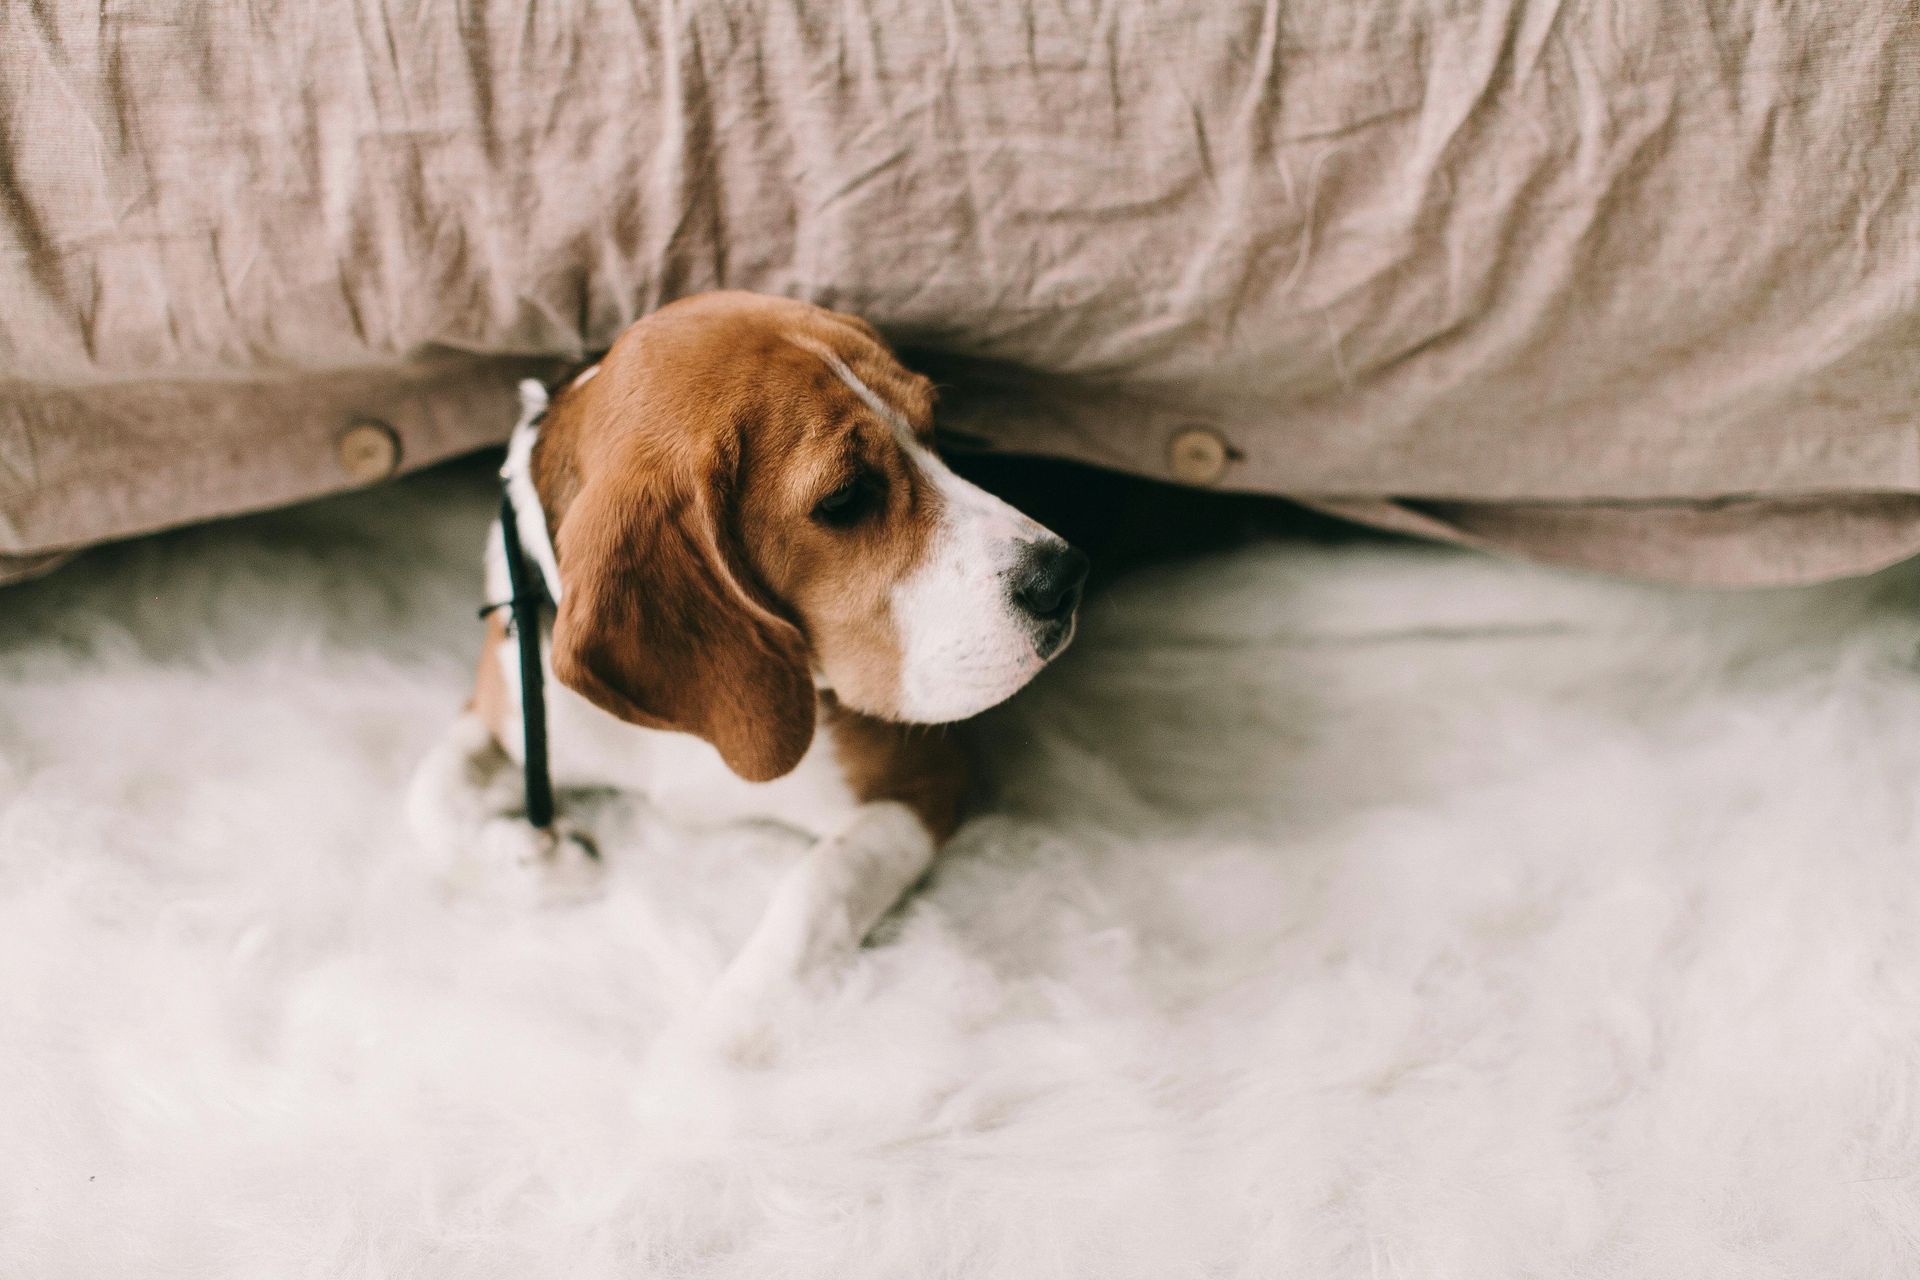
column 1366, row 910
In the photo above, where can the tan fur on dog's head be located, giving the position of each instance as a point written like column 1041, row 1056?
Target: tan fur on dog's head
column 741, row 497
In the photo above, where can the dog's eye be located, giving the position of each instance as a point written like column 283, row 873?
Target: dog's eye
column 847, row 505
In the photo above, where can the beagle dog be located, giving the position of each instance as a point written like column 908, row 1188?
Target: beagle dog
column 762, row 576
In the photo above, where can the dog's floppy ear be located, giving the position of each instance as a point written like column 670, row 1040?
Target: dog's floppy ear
column 658, row 627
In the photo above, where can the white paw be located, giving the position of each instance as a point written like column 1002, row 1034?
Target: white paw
column 557, row 864
column 764, row 995
column 745, row 1020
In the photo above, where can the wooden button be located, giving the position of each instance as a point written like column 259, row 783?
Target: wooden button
column 368, row 451
column 1196, row 455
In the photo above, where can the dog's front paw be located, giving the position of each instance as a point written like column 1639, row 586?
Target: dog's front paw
column 549, row 865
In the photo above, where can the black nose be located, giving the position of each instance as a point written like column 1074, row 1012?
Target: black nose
column 1047, row 581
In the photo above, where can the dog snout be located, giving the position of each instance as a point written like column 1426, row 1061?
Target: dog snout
column 1048, row 578
column 1046, row 585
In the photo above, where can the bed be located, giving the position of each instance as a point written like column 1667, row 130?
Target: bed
column 1629, row 287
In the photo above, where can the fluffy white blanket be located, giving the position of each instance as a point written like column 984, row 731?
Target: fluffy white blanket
column 1368, row 911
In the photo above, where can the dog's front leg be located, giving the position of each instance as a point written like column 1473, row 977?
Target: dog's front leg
column 468, row 807
column 826, row 906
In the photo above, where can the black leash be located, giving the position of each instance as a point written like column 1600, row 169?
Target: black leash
column 525, row 602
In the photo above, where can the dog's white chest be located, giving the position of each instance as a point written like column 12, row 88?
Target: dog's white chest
column 682, row 775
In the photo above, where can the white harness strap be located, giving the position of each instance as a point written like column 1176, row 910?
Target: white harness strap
column 517, row 472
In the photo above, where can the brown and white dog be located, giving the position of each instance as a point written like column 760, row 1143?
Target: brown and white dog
column 762, row 575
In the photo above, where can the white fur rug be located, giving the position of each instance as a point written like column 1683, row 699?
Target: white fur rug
column 1363, row 911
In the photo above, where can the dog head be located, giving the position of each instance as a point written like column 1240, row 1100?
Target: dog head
column 745, row 507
